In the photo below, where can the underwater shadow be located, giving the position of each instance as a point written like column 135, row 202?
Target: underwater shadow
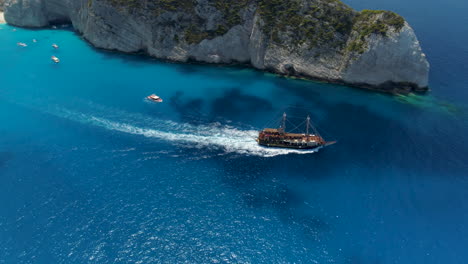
column 190, row 111
column 5, row 157
column 234, row 104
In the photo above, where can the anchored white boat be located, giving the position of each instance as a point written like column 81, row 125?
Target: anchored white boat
column 21, row 44
column 55, row 59
column 155, row 98
column 55, row 46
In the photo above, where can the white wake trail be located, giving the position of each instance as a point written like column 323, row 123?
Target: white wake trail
column 230, row 139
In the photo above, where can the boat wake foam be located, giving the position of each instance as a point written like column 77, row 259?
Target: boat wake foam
column 227, row 138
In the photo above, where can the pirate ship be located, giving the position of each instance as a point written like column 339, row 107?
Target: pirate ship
column 280, row 138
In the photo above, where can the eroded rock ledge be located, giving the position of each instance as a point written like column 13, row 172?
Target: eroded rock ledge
column 317, row 39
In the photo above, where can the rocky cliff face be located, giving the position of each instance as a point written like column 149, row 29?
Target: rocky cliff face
column 318, row 39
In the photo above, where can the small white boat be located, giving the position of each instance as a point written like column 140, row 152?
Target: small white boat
column 55, row 46
column 21, row 44
column 155, row 98
column 55, row 59
column 54, row 27
column 34, row 40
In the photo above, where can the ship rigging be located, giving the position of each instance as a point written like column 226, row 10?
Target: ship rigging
column 280, row 138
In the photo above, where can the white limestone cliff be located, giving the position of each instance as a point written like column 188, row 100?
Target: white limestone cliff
column 392, row 62
column 396, row 57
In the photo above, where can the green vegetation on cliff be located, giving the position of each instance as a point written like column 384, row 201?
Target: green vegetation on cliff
column 157, row 6
column 369, row 22
column 230, row 11
column 315, row 23
column 377, row 21
column 194, row 32
column 326, row 24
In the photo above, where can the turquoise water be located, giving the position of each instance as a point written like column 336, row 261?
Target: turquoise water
column 92, row 172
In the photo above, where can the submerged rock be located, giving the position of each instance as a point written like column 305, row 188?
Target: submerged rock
column 317, row 39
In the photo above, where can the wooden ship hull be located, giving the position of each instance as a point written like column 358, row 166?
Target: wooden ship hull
column 286, row 145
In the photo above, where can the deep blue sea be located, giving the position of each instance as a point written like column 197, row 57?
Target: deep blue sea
column 90, row 172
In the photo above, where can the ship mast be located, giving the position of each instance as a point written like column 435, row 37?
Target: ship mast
column 307, row 126
column 283, row 124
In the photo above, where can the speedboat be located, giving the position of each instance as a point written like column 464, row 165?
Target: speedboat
column 55, row 46
column 155, row 98
column 21, row 44
column 55, row 59
column 34, row 40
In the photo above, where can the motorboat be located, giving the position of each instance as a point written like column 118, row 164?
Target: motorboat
column 55, row 46
column 155, row 98
column 55, row 59
column 21, row 44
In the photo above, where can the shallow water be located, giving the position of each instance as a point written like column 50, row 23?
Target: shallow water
column 91, row 172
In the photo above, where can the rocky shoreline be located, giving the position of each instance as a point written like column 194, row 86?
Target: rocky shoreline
column 386, row 88
column 375, row 50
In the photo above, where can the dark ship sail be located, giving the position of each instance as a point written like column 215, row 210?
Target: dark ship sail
column 279, row 138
